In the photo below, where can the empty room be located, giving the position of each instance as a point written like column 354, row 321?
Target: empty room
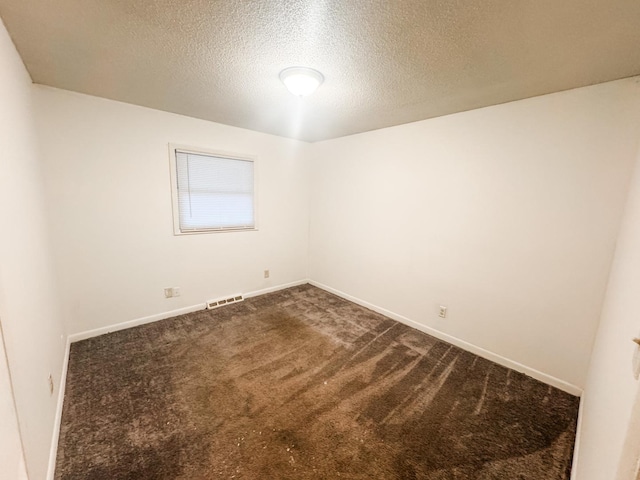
column 319, row 239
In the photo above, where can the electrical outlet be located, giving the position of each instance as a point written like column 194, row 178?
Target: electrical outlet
column 50, row 384
column 171, row 292
column 443, row 311
column 266, row 274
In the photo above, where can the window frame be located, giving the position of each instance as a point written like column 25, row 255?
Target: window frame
column 173, row 165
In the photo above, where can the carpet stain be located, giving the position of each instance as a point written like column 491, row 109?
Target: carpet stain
column 301, row 384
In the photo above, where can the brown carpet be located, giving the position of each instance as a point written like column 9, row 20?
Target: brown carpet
column 301, row 384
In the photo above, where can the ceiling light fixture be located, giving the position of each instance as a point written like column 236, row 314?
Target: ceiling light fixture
column 301, row 81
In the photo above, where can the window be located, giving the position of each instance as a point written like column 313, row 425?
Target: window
column 212, row 192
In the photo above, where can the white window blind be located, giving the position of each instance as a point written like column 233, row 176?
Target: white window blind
column 214, row 192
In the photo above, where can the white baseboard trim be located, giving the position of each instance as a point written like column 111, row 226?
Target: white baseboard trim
column 481, row 352
column 58, row 415
column 576, row 445
column 255, row 293
column 76, row 337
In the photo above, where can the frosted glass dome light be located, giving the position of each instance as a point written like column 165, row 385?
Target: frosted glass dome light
column 301, row 81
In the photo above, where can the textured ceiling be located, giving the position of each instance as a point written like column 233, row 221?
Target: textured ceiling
column 385, row 62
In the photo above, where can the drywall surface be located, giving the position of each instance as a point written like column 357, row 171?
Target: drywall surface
column 611, row 387
column 29, row 308
column 506, row 215
column 629, row 464
column 11, row 456
column 108, row 184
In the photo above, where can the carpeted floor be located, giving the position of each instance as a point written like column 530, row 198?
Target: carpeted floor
column 301, row 384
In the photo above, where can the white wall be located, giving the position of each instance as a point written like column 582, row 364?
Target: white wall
column 508, row 215
column 11, row 454
column 611, row 388
column 107, row 174
column 29, row 307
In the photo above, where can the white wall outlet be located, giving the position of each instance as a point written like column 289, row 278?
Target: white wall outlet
column 50, row 384
column 442, row 312
column 171, row 292
column 266, row 274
